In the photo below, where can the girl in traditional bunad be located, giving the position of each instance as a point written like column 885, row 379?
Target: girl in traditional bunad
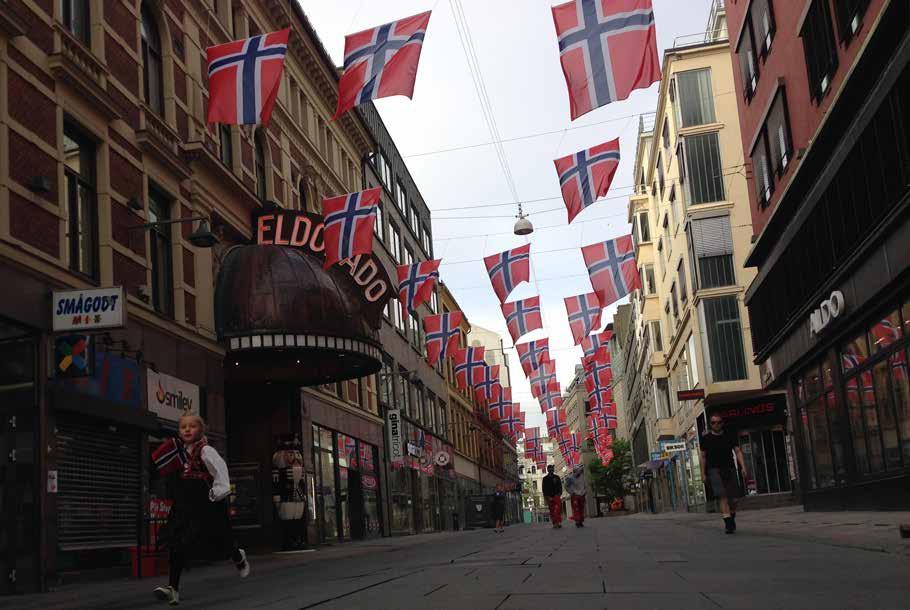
column 198, row 526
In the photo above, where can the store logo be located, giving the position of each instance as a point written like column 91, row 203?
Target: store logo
column 829, row 309
column 396, row 449
column 174, row 400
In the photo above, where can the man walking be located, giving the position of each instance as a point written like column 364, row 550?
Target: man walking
column 552, row 492
column 719, row 470
column 575, row 485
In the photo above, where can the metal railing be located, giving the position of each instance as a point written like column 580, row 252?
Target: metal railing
column 700, row 38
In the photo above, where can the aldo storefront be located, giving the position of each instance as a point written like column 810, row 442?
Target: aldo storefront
column 304, row 434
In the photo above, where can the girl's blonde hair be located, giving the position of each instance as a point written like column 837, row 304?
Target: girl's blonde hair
column 193, row 416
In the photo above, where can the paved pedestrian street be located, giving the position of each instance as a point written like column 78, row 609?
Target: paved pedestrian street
column 627, row 563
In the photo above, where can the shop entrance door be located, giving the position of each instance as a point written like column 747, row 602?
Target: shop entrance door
column 766, row 457
column 355, row 504
column 18, row 469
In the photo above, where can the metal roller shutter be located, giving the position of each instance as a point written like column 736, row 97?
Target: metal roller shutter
column 712, row 236
column 99, row 485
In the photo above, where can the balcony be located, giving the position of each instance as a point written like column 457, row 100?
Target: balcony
column 74, row 64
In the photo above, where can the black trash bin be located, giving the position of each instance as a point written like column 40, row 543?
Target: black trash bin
column 478, row 511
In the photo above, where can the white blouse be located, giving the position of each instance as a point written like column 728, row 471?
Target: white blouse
column 214, row 463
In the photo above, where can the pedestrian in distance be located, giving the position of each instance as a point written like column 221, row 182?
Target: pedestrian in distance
column 198, row 526
column 552, row 492
column 499, row 508
column 719, row 470
column 575, row 485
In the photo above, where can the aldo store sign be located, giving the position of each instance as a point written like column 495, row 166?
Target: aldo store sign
column 171, row 398
column 826, row 312
column 95, row 309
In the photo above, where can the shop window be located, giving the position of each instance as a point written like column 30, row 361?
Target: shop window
column 151, row 61
column 161, row 253
column 75, row 16
column 81, row 202
column 900, row 395
column 849, row 15
column 855, row 353
column 885, row 333
column 696, row 99
column 704, row 171
column 820, row 48
column 724, row 338
column 883, row 380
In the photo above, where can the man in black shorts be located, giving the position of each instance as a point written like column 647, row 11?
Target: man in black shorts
column 718, row 469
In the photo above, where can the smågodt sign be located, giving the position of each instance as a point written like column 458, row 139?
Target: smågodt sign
column 95, row 309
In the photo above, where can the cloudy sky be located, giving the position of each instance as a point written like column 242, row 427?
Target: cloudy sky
column 446, row 142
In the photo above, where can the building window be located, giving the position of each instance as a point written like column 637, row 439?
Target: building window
column 644, row 227
column 76, row 17
column 412, row 216
column 692, row 361
column 773, row 148
column 151, row 61
column 379, row 223
column 386, row 170
column 724, row 337
column 301, row 190
column 665, row 134
column 259, row 162
column 401, row 197
column 161, row 253
column 660, row 173
column 674, row 205
column 81, row 203
column 395, row 242
column 408, row 256
column 820, row 48
column 650, row 282
column 226, row 145
column 704, row 171
column 849, row 16
column 712, row 244
column 696, row 99
column 748, row 66
column 663, row 398
column 675, row 301
column 761, row 169
column 657, row 335
column 681, row 277
column 427, row 241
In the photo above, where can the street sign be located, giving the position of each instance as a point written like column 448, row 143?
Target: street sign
column 690, row 394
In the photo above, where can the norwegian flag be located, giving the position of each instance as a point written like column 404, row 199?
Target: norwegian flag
column 565, row 441
column 522, row 317
column 597, row 346
column 511, row 424
column 349, row 223
column 442, row 335
column 585, row 176
column 543, row 379
column 556, row 422
column 607, row 49
column 575, row 446
column 508, row 269
column 469, row 363
column 584, row 314
column 415, row 284
column 595, row 427
column 486, row 380
column 500, row 404
column 170, row 456
column 244, row 76
column 612, row 269
column 532, row 354
column 601, row 371
column 550, row 400
column 381, row 62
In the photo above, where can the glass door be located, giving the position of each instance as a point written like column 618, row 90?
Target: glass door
column 766, row 458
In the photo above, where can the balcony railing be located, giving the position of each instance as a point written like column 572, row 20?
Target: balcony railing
column 700, row 38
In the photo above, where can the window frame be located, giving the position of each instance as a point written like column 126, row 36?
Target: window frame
column 694, row 177
column 260, row 165
column 76, row 183
column 819, row 84
column 150, row 32
column 720, row 359
column 161, row 250
column 710, row 117
column 226, row 145
column 849, row 23
column 70, row 9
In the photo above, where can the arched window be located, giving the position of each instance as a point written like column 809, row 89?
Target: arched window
column 151, row 61
column 259, row 161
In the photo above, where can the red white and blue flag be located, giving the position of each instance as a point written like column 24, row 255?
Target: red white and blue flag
column 584, row 314
column 381, row 62
column 550, row 400
column 511, row 424
column 508, row 269
column 415, row 284
column 532, row 354
column 603, row 371
column 597, row 347
column 556, row 422
column 607, row 49
column 543, row 379
column 612, row 269
column 244, row 76
column 522, row 317
column 442, row 333
column 469, row 363
column 486, row 380
column 501, row 403
column 170, row 456
column 349, row 221
column 585, row 176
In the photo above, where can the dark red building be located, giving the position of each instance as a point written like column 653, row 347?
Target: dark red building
column 823, row 88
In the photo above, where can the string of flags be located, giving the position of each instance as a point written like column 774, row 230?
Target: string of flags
column 607, row 49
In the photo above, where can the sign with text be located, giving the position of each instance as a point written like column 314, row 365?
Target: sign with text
column 768, row 410
column 690, row 394
column 95, row 309
column 395, row 440
column 674, row 447
column 171, row 398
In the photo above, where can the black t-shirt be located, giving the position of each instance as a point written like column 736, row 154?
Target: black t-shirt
column 718, row 449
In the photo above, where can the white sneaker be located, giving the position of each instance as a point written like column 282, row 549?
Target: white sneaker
column 243, row 566
column 168, row 594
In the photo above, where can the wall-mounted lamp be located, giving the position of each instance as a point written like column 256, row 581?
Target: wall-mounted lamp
column 202, row 237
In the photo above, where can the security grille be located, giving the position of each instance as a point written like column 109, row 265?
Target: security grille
column 99, row 483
